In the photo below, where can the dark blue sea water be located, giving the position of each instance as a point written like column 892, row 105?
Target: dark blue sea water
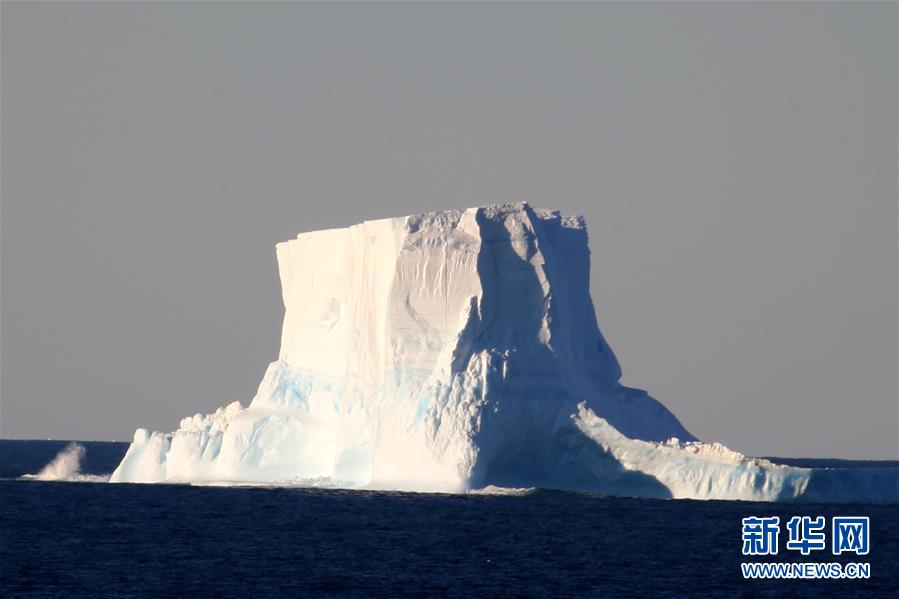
column 68, row 539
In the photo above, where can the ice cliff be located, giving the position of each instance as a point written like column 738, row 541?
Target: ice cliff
column 453, row 351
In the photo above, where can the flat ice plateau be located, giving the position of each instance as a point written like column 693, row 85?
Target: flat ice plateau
column 457, row 351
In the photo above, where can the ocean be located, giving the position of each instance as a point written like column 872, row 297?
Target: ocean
column 89, row 539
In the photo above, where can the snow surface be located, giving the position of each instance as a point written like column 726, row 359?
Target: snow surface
column 455, row 351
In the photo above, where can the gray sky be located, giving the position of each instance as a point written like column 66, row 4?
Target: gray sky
column 736, row 163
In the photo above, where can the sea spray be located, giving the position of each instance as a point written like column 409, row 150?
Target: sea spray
column 66, row 466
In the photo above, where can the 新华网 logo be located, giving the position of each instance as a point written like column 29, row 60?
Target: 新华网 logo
column 849, row 534
column 806, row 534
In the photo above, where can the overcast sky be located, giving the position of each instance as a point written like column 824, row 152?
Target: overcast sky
column 736, row 164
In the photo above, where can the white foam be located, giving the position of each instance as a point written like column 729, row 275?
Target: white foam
column 66, row 466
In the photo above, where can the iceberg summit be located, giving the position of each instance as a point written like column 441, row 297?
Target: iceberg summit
column 456, row 351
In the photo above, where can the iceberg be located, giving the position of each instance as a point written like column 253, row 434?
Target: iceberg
column 458, row 351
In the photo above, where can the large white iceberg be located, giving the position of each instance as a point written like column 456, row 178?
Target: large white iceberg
column 454, row 351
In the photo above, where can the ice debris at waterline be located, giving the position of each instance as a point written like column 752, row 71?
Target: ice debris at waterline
column 454, row 351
